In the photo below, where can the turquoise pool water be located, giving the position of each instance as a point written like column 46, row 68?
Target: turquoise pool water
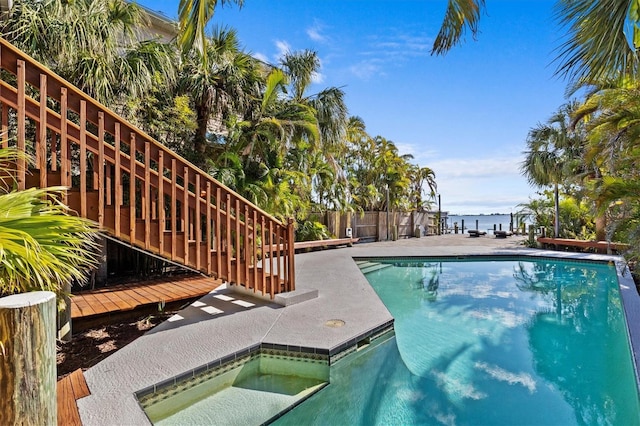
column 536, row 342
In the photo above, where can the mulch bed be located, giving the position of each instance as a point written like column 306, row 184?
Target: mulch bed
column 89, row 347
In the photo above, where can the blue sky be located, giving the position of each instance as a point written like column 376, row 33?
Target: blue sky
column 466, row 114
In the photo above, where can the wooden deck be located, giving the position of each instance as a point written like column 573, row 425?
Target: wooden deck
column 597, row 246
column 324, row 244
column 70, row 389
column 128, row 297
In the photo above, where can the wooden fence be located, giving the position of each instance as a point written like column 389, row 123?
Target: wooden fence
column 372, row 225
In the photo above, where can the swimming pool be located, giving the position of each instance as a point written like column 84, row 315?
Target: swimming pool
column 520, row 341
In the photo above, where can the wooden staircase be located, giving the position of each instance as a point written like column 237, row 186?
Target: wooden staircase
column 136, row 190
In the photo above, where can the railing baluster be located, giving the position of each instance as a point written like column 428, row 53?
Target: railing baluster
column 218, row 235
column 174, row 208
column 254, row 241
column 271, row 268
column 245, row 248
column 291, row 251
column 228, row 236
column 280, row 246
column 108, row 184
column 198, row 236
column 100, row 168
column 118, row 179
column 146, row 201
column 41, row 147
column 237, row 242
column 132, row 188
column 161, row 213
column 185, row 215
column 5, row 125
column 22, row 115
column 208, row 230
column 264, row 257
column 65, row 158
column 83, row 158
column 54, row 151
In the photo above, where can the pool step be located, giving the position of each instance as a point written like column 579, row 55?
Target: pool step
column 269, row 383
column 372, row 266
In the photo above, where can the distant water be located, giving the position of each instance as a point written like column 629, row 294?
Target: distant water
column 485, row 222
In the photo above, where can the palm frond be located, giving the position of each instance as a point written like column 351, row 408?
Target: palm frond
column 461, row 15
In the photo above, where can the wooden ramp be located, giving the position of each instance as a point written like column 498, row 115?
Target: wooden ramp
column 128, row 297
column 70, row 389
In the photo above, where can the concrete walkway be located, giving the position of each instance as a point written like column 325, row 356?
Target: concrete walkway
column 224, row 322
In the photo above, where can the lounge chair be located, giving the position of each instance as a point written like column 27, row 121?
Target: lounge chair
column 476, row 233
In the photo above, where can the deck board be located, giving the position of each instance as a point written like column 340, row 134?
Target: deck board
column 127, row 297
column 69, row 389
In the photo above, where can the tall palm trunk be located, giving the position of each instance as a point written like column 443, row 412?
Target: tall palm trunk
column 200, row 140
column 600, row 222
column 556, row 220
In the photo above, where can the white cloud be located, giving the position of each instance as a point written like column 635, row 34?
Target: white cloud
column 389, row 50
column 261, row 57
column 366, row 70
column 283, row 48
column 476, row 167
column 317, row 78
column 315, row 32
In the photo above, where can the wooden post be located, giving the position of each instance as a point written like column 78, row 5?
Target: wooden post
column 28, row 359
column 291, row 255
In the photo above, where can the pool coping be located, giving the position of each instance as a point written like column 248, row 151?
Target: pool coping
column 171, row 350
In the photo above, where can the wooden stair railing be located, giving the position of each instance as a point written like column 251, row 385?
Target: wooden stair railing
column 136, row 189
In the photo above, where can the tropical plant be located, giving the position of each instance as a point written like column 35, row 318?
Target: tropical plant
column 221, row 87
column 460, row 16
column 602, row 41
column 554, row 155
column 310, row 230
column 42, row 246
column 194, row 16
column 93, row 44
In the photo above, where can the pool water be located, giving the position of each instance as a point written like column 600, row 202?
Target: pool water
column 488, row 342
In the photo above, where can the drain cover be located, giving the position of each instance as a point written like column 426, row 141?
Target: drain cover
column 334, row 323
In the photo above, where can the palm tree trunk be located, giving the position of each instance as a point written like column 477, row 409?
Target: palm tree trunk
column 601, row 223
column 556, row 221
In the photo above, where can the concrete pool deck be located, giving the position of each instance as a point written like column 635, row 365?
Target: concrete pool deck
column 226, row 322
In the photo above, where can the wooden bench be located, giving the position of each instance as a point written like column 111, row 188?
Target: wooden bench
column 323, row 244
column 69, row 389
column 603, row 247
column 476, row 233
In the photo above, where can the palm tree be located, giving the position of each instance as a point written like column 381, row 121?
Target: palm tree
column 270, row 142
column 93, row 44
column 43, row 247
column 603, row 39
column 459, row 16
column 194, row 16
column 220, row 87
column 419, row 177
column 612, row 116
column 553, row 156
